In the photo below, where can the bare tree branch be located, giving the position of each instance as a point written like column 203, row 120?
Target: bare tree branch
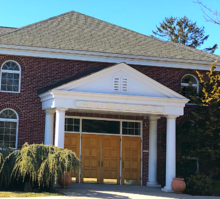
column 215, row 15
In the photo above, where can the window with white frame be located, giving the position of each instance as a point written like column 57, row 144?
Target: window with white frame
column 10, row 77
column 8, row 128
column 189, row 81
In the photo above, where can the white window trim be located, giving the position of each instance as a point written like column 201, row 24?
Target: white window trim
column 193, row 85
column 12, row 120
column 11, row 71
column 107, row 119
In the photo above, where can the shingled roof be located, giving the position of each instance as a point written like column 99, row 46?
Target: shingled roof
column 4, row 30
column 76, row 31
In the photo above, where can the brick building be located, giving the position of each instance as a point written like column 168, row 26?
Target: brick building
column 108, row 93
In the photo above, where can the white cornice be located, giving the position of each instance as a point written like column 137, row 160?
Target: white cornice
column 72, row 95
column 104, row 57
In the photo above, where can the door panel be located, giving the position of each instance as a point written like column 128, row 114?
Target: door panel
column 72, row 142
column 110, row 162
column 131, row 159
column 90, row 157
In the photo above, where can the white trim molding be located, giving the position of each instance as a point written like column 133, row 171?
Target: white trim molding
column 105, row 57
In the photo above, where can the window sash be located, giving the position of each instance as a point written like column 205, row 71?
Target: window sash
column 186, row 84
column 10, row 71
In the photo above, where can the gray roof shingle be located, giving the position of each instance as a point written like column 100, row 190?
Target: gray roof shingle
column 76, row 31
column 4, row 30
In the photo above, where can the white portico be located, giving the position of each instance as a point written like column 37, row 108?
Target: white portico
column 119, row 89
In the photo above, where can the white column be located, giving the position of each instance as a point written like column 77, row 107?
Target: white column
column 59, row 131
column 49, row 122
column 152, row 163
column 170, row 153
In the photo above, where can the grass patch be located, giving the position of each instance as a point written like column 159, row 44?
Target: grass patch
column 9, row 194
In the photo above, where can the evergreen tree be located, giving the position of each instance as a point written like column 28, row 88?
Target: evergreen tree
column 182, row 31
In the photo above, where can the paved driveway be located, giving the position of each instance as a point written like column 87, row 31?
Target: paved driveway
column 91, row 191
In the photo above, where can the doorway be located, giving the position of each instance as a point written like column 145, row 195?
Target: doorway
column 106, row 158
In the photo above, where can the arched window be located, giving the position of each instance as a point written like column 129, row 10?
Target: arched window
column 8, row 128
column 189, row 80
column 10, row 77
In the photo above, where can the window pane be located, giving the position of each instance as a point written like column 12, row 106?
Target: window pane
column 131, row 128
column 69, row 121
column 8, row 133
column 76, row 128
column 69, row 127
column 186, row 90
column 76, row 121
column 100, row 126
column 8, row 114
column 10, row 66
column 189, row 79
column 9, row 82
column 72, row 124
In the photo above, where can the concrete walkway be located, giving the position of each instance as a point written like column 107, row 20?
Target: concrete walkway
column 92, row 191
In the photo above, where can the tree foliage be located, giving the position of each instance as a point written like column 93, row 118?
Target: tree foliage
column 182, row 31
column 203, row 139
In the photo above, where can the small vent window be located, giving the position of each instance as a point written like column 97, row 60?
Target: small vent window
column 124, row 84
column 116, row 84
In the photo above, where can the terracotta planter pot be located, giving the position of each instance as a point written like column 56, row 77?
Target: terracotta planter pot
column 65, row 180
column 178, row 185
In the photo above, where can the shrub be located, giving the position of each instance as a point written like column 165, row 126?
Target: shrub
column 38, row 163
column 198, row 184
column 6, row 166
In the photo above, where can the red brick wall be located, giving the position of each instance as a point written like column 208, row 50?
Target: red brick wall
column 40, row 72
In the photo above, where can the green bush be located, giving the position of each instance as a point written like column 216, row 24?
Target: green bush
column 6, row 166
column 198, row 184
column 38, row 163
column 215, row 188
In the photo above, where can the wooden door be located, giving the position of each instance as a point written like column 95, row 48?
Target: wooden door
column 131, row 159
column 110, row 158
column 90, row 157
column 72, row 142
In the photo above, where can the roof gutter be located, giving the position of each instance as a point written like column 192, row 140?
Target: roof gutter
column 104, row 57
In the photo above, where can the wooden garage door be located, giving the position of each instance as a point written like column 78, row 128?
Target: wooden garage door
column 90, row 158
column 72, row 142
column 110, row 161
column 131, row 160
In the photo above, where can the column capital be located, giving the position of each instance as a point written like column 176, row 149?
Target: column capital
column 172, row 116
column 60, row 109
column 49, row 111
column 154, row 118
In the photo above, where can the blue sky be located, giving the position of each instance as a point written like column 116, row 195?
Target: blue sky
column 138, row 15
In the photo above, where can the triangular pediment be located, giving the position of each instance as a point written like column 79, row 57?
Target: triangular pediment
column 120, row 79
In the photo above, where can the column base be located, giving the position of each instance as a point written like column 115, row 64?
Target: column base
column 167, row 189
column 153, row 184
